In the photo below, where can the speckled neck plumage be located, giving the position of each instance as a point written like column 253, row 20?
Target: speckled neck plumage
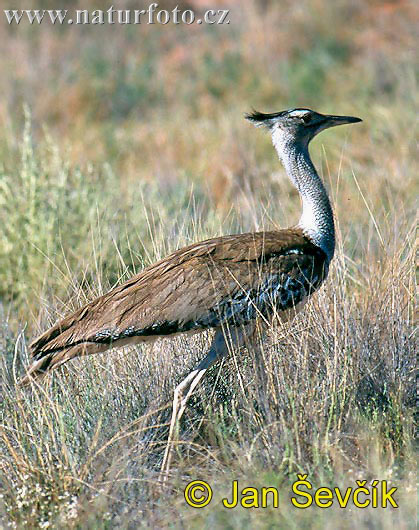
column 317, row 218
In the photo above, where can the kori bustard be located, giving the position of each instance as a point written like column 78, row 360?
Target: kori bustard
column 227, row 283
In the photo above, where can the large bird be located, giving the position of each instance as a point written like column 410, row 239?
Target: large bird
column 227, row 283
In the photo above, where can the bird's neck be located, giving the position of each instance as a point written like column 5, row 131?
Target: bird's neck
column 317, row 218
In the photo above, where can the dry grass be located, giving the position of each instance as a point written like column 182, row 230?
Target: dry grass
column 130, row 155
column 332, row 396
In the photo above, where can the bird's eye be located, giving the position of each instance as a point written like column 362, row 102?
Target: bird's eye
column 306, row 118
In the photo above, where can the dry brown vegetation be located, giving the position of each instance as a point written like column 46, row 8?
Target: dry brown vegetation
column 133, row 144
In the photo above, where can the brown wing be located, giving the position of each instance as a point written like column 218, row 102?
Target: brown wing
column 226, row 279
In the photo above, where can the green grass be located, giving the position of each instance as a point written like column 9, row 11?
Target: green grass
column 133, row 151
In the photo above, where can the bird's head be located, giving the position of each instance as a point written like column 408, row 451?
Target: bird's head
column 298, row 125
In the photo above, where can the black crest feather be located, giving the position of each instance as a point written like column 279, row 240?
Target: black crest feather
column 260, row 118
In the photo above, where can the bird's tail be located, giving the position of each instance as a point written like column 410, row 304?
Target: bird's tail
column 37, row 370
column 45, row 361
column 60, row 343
column 48, row 361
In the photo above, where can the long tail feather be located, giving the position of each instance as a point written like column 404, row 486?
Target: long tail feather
column 46, row 361
column 37, row 370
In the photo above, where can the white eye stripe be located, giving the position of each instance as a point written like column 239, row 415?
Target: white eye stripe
column 299, row 113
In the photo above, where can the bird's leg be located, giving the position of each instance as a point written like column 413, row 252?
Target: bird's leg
column 183, row 392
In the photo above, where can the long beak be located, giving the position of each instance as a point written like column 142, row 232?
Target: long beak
column 332, row 121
